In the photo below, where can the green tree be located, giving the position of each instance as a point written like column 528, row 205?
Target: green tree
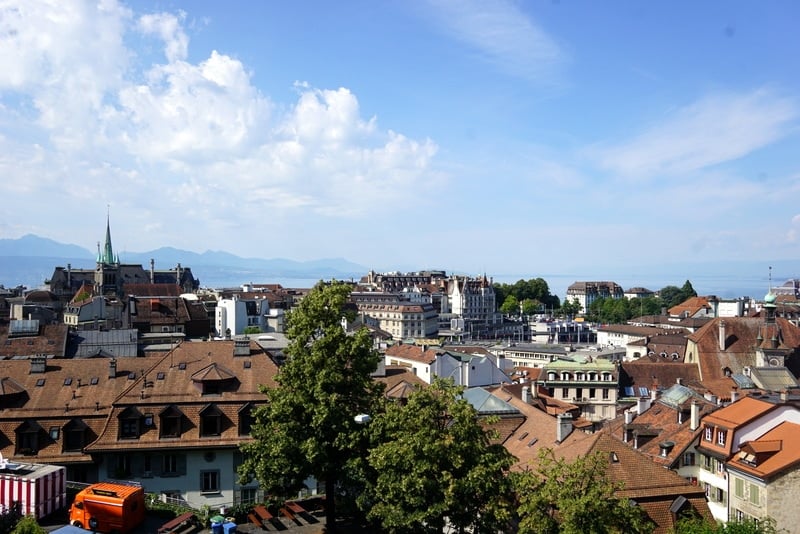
column 674, row 295
column 307, row 428
column 699, row 525
column 577, row 497
column 252, row 330
column 510, row 305
column 531, row 306
column 28, row 525
column 434, row 465
column 570, row 309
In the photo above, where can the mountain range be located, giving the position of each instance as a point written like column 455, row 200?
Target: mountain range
column 30, row 260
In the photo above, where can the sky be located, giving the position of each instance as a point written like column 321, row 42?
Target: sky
column 472, row 135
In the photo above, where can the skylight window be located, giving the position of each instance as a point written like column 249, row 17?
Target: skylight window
column 94, row 381
column 67, row 381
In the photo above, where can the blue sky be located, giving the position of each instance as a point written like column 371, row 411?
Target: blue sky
column 476, row 136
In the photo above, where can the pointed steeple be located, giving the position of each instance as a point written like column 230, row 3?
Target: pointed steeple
column 107, row 255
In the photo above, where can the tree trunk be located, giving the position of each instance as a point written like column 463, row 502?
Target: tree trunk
column 330, row 504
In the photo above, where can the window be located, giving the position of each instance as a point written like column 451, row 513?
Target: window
column 170, row 464
column 171, row 422
column 709, row 433
column 209, row 481
column 129, row 428
column 54, row 433
column 754, row 495
column 211, row 421
column 565, row 393
column 592, row 393
column 720, row 437
column 688, row 458
column 248, row 495
column 123, row 466
column 74, row 435
column 578, row 393
column 738, row 488
column 606, row 393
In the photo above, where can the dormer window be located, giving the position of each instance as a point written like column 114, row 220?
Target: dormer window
column 211, row 421
column 130, row 424
column 708, row 434
column 28, row 437
column 171, row 418
column 721, row 438
column 74, row 435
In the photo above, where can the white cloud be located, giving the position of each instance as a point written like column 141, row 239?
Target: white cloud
column 186, row 145
column 503, row 35
column 169, row 28
column 711, row 131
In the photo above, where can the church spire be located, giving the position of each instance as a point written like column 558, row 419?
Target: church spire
column 107, row 255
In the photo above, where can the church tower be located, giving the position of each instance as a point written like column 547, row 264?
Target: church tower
column 107, row 270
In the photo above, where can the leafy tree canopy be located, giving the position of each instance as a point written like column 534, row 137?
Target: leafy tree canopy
column 577, row 497
column 307, row 427
column 535, row 289
column 434, row 465
column 698, row 525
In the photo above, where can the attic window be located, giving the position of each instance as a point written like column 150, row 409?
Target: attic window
column 182, row 366
column 613, row 457
column 160, row 375
column 132, row 375
column 531, row 442
column 67, row 381
column 523, row 436
column 40, row 382
column 94, row 381
column 247, row 364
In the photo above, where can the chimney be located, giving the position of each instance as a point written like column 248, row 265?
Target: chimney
column 534, row 391
column 38, row 364
column 69, row 275
column 734, row 394
column 722, row 337
column 628, row 417
column 785, row 395
column 152, row 271
column 679, row 381
column 525, row 394
column 564, row 427
column 642, row 405
column 694, row 421
column 178, row 275
column 112, row 368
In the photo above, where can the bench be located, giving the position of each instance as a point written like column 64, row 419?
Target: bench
column 299, row 511
column 253, row 519
column 262, row 512
column 287, row 513
column 174, row 524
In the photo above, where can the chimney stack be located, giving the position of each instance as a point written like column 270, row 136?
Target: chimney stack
column 564, row 427
column 152, row 271
column 694, row 422
column 525, row 394
column 112, row 368
column 628, row 417
column 734, row 394
column 38, row 364
column 722, row 337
